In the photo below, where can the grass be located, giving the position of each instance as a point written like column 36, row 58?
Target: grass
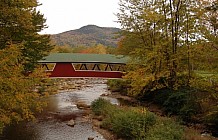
column 207, row 74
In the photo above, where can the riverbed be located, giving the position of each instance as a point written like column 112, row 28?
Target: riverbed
column 62, row 119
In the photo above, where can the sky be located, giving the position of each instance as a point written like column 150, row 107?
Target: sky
column 65, row 15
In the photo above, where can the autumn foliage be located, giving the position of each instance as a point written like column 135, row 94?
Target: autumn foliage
column 174, row 56
column 19, row 94
column 21, row 46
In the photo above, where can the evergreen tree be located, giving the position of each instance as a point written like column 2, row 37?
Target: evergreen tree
column 20, row 24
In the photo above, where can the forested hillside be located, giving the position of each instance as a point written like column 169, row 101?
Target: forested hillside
column 89, row 35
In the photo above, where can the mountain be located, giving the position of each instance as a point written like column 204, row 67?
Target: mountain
column 87, row 36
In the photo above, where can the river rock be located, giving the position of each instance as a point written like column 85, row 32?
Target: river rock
column 206, row 134
column 71, row 123
column 104, row 94
column 82, row 105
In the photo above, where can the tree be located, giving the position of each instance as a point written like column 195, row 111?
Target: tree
column 210, row 22
column 20, row 23
column 205, row 54
column 20, row 95
column 158, row 35
column 21, row 83
column 98, row 49
column 62, row 49
column 167, row 40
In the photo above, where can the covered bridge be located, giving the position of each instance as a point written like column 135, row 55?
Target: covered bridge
column 76, row 65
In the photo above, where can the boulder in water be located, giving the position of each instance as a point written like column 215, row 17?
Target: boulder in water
column 71, row 123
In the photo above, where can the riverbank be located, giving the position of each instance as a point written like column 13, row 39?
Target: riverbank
column 191, row 131
column 63, row 118
column 69, row 117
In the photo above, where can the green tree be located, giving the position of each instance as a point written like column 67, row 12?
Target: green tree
column 158, row 35
column 20, row 23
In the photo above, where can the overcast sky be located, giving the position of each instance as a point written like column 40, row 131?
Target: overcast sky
column 65, row 15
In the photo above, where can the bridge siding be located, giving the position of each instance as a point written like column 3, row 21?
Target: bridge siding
column 67, row 70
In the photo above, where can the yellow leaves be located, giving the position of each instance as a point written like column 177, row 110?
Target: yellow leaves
column 62, row 49
column 150, row 15
column 15, row 117
column 18, row 100
column 27, row 114
column 4, row 118
column 20, row 97
column 143, row 80
column 98, row 49
column 139, row 79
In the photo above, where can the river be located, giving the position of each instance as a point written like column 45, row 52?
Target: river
column 52, row 123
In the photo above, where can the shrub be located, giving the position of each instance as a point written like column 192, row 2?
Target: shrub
column 135, row 123
column 160, row 96
column 118, row 85
column 183, row 103
column 101, row 107
column 175, row 102
column 130, row 124
column 126, row 123
column 165, row 130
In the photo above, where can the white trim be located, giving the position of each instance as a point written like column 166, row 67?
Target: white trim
column 80, row 70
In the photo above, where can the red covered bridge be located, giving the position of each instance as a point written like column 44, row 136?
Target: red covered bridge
column 75, row 65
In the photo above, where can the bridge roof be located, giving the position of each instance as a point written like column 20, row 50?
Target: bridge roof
column 84, row 58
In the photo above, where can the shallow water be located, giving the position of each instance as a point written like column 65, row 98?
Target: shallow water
column 52, row 123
